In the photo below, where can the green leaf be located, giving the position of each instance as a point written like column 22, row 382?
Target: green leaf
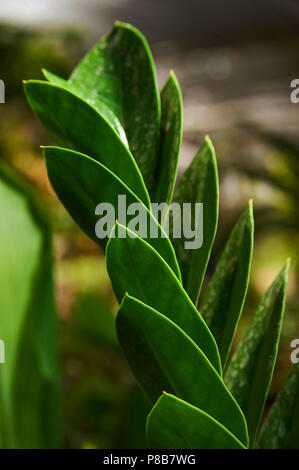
column 136, row 268
column 29, row 405
column 120, row 72
column 51, row 77
column 171, row 139
column 75, row 124
column 250, row 372
column 281, row 428
column 175, row 424
column 163, row 358
column 82, row 183
column 224, row 297
column 199, row 183
column 96, row 103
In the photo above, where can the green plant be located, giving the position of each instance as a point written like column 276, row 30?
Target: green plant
column 118, row 135
column 29, row 400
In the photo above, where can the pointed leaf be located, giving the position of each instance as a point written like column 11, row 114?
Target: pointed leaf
column 51, row 77
column 175, row 424
column 171, row 139
column 103, row 109
column 120, row 71
column 250, row 372
column 75, row 124
column 136, row 268
column 224, row 298
column 199, row 183
column 82, row 183
column 163, row 358
column 281, row 428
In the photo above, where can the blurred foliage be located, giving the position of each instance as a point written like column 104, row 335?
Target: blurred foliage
column 99, row 392
column 29, row 379
column 22, row 51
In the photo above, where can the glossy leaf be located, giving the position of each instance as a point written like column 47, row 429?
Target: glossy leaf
column 281, row 427
column 163, row 358
column 120, row 72
column 51, row 77
column 171, row 139
column 224, row 298
column 103, row 109
column 250, row 372
column 136, row 268
column 199, row 183
column 82, row 183
column 29, row 406
column 175, row 424
column 75, row 124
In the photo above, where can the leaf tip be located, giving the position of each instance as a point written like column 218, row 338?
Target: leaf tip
column 119, row 24
column 208, row 142
column 250, row 207
column 287, row 264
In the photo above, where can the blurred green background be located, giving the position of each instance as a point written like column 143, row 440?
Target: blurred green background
column 235, row 64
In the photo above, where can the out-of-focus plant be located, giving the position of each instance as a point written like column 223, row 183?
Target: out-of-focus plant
column 119, row 135
column 29, row 400
column 22, row 49
column 280, row 171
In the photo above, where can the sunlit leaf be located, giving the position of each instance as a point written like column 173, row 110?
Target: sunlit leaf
column 75, row 124
column 103, row 109
column 119, row 71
